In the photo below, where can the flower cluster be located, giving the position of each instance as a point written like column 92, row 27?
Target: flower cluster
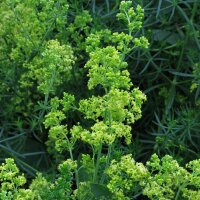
column 79, row 29
column 26, row 28
column 117, row 105
column 94, row 40
column 60, row 188
column 51, row 68
column 102, row 134
column 133, row 18
column 192, row 191
column 25, row 25
column 168, row 180
column 58, row 133
column 160, row 179
column 125, row 176
column 10, row 180
column 167, row 176
column 117, row 108
column 41, row 188
column 106, row 67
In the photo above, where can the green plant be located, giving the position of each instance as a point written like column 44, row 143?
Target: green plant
column 11, row 181
column 40, row 188
column 160, row 179
column 69, row 74
column 127, row 179
column 112, row 112
column 166, row 72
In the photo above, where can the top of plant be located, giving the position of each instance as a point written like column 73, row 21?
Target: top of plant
column 106, row 68
column 133, row 18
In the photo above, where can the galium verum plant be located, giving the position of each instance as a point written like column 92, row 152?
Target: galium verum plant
column 114, row 111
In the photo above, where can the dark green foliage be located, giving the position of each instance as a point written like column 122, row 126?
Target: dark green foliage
column 69, row 78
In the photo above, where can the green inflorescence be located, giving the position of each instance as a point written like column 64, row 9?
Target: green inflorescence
column 51, row 55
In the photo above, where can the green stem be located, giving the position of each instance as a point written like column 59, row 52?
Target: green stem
column 46, row 98
column 179, row 190
column 72, row 158
column 109, row 155
column 128, row 19
column 76, row 173
column 107, row 162
column 95, row 179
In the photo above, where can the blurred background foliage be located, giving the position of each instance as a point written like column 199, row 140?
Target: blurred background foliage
column 168, row 73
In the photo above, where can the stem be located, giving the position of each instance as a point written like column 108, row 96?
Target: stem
column 97, row 164
column 75, row 171
column 128, row 19
column 107, row 162
column 179, row 190
column 46, row 98
column 109, row 155
column 72, row 158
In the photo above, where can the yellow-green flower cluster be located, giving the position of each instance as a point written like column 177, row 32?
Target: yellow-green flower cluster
column 54, row 118
column 161, row 179
column 117, row 105
column 125, row 176
column 141, row 42
column 58, row 109
column 58, row 136
column 26, row 24
column 60, row 188
column 11, row 181
column 107, row 68
column 94, row 40
column 58, row 133
column 51, row 68
column 168, row 180
column 133, row 18
column 9, row 176
column 87, row 162
column 67, row 165
column 192, row 191
column 80, row 29
column 168, row 177
column 102, row 134
column 191, row 194
column 122, row 40
column 25, row 29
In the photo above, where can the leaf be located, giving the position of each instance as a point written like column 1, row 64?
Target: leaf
column 100, row 191
column 171, row 98
column 182, row 74
column 158, row 10
column 162, row 35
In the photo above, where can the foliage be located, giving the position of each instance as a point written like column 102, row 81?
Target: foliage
column 73, row 114
column 159, row 179
column 11, row 181
column 40, row 188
